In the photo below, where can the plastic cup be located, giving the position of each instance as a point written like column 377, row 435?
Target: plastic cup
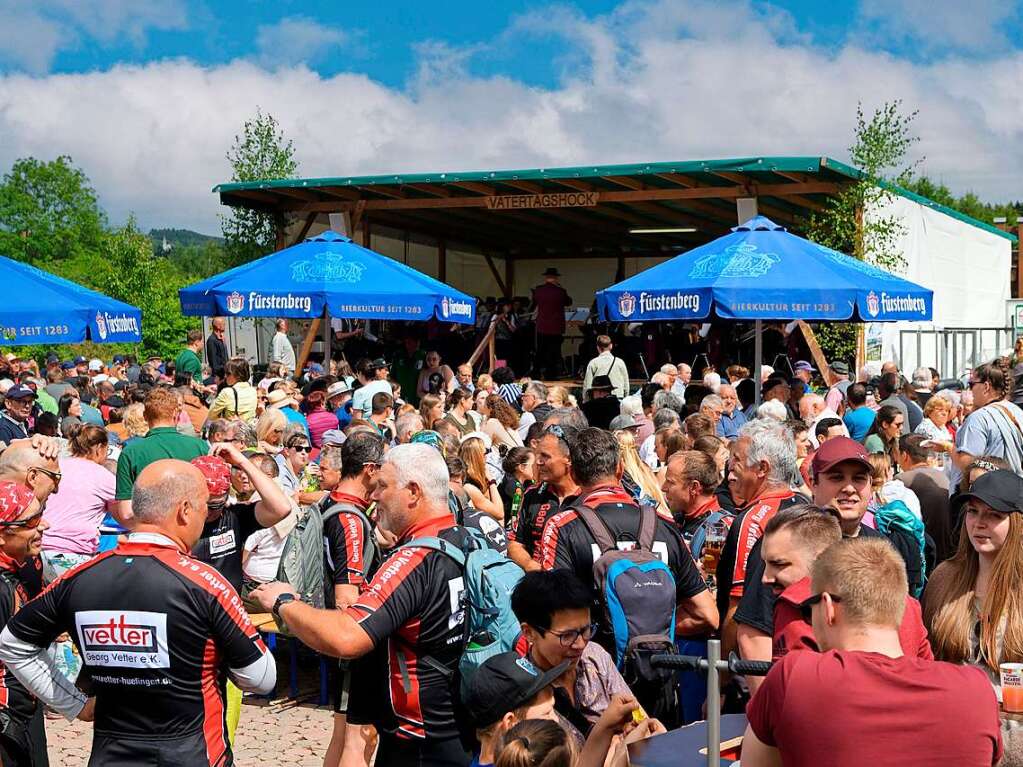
column 1012, row 687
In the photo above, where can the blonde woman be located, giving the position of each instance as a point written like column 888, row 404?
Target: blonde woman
column 481, row 489
column 135, row 421
column 558, row 396
column 269, row 431
column 639, row 479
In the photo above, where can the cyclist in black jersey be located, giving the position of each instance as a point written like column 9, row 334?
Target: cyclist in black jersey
column 158, row 631
column 411, row 611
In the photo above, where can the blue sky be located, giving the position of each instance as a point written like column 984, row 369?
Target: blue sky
column 146, row 94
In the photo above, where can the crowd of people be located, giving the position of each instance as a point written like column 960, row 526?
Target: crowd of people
column 495, row 561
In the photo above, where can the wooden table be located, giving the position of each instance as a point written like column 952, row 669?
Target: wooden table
column 686, row 746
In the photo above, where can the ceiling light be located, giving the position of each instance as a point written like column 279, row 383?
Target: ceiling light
column 668, row 230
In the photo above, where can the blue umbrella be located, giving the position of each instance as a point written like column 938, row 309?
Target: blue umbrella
column 327, row 272
column 762, row 272
column 39, row 307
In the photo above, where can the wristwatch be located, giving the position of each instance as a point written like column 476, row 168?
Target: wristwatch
column 283, row 599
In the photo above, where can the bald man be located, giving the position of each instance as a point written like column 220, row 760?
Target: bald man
column 812, row 410
column 158, row 632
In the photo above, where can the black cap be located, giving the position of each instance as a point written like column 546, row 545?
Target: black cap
column 378, row 364
column 601, row 382
column 551, row 272
column 1002, row 490
column 504, row 683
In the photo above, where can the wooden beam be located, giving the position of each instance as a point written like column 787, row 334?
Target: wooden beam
column 366, row 232
column 356, row 217
column 817, row 353
column 436, row 191
column 475, row 186
column 526, row 186
column 309, row 221
column 626, row 181
column 298, row 194
column 497, row 276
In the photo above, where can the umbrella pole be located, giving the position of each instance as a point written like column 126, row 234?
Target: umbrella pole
column 758, row 361
column 328, row 334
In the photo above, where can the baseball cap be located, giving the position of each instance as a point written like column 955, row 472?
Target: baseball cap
column 80, row 359
column 20, row 391
column 378, row 364
column 840, row 368
column 52, row 358
column 1002, row 490
column 67, row 366
column 95, row 365
column 838, row 450
column 333, row 437
column 804, row 365
column 623, row 421
column 504, row 683
column 118, row 359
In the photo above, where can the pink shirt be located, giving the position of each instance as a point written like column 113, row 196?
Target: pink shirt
column 75, row 512
column 320, row 421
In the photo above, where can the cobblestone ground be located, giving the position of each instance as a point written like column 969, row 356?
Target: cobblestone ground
column 268, row 733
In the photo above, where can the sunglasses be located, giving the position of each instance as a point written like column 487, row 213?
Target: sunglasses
column 54, row 475
column 301, row 448
column 556, row 431
column 806, row 606
column 30, row 523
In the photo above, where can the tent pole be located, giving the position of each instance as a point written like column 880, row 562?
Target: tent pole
column 758, row 361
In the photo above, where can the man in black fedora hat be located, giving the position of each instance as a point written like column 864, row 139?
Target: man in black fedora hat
column 602, row 405
column 549, row 301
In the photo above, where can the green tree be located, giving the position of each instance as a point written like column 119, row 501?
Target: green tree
column 879, row 152
column 260, row 153
column 48, row 212
column 131, row 273
column 969, row 203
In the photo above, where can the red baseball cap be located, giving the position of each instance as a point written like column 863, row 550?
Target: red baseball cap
column 838, row 450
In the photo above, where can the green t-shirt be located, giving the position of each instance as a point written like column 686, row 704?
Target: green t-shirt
column 189, row 362
column 46, row 402
column 161, row 442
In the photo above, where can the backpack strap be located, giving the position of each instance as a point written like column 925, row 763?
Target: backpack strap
column 598, row 528
column 647, row 527
column 330, row 509
column 437, row 544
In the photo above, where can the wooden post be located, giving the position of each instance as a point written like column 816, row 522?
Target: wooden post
column 442, row 260
column 487, row 342
column 492, row 350
column 366, row 231
column 307, row 345
column 817, row 353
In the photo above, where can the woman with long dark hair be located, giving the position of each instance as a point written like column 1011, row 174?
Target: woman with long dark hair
column 884, row 433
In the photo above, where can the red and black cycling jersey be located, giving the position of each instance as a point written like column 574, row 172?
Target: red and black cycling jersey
column 567, row 542
column 223, row 540
column 18, row 702
column 539, row 504
column 412, row 609
column 156, row 630
column 743, row 535
column 345, row 544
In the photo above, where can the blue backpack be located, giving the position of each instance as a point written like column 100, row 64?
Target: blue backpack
column 637, row 593
column 489, row 579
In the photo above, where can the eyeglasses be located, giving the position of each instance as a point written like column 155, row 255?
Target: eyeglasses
column 976, row 383
column 806, row 606
column 301, row 448
column 570, row 637
column 30, row 523
column 54, row 475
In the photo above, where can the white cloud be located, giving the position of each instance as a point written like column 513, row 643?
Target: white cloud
column 296, row 40
column 659, row 85
column 938, row 26
column 32, row 33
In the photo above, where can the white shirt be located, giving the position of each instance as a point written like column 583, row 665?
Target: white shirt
column 526, row 420
column 825, row 413
column 647, row 452
column 265, row 548
column 282, row 351
column 362, row 400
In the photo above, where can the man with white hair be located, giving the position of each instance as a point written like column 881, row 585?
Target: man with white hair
column 712, row 407
column 633, row 406
column 406, row 425
column 766, row 371
column 534, row 406
column 732, row 418
column 672, row 372
column 411, row 606
column 712, row 381
column 923, row 385
column 812, row 410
